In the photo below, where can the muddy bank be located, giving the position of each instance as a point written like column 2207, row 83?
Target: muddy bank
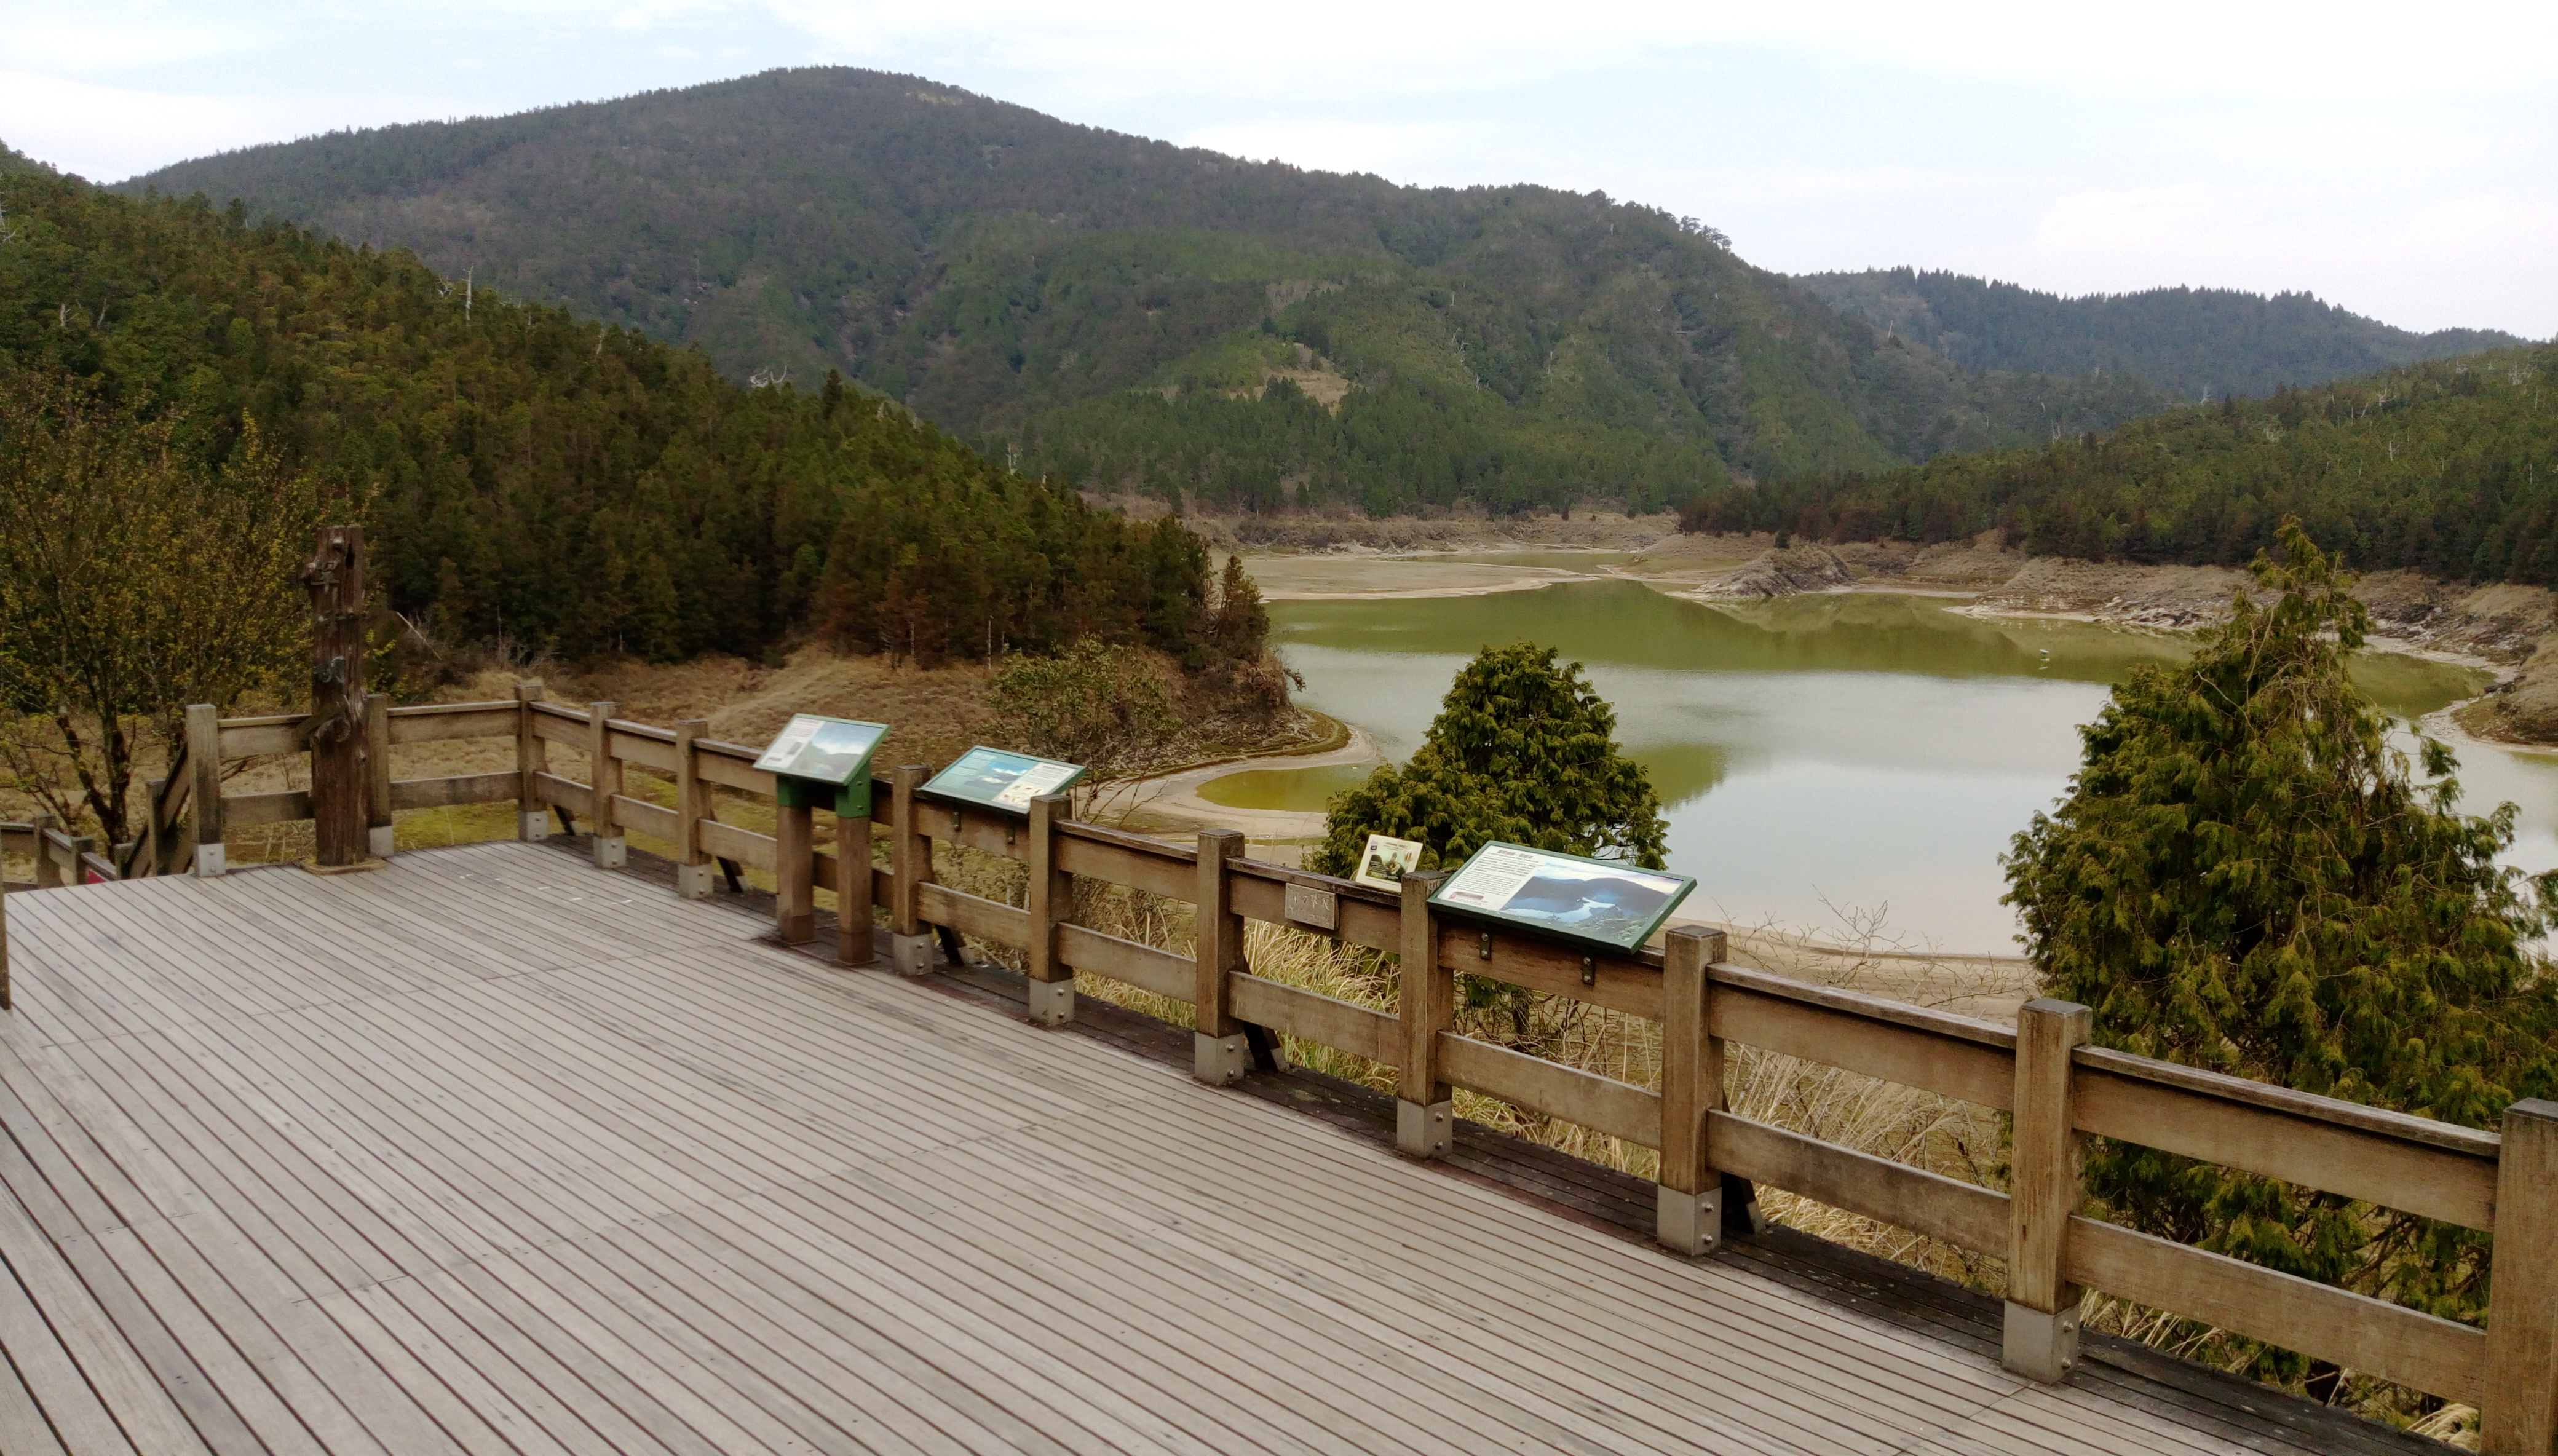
column 1590, row 530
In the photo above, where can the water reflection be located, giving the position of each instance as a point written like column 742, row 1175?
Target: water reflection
column 1851, row 751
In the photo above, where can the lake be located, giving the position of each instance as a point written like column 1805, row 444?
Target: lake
column 1820, row 758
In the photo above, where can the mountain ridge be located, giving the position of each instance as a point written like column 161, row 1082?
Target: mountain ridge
column 1135, row 316
column 2195, row 343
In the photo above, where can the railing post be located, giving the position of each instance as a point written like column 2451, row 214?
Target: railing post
column 205, row 810
column 604, row 771
column 145, row 859
column 49, row 871
column 794, row 873
column 692, row 797
column 1425, row 1114
column 1687, row 1214
column 379, row 837
column 910, row 944
column 856, row 890
column 1050, row 900
column 2043, row 1192
column 2518, row 1414
column 334, row 731
column 532, row 756
column 1219, row 1052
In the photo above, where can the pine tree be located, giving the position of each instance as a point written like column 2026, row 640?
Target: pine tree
column 1523, row 750
column 2247, row 877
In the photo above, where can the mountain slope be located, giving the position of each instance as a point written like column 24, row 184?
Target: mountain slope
column 2196, row 342
column 529, row 476
column 2447, row 467
column 1134, row 315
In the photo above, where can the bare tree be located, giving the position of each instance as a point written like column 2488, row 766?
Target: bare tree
column 132, row 583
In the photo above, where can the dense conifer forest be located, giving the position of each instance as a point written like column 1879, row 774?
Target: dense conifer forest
column 567, row 485
column 2197, row 343
column 1127, row 315
column 2449, row 467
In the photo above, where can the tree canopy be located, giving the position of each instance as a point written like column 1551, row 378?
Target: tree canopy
column 2247, row 877
column 1523, row 750
column 2448, row 468
column 571, row 486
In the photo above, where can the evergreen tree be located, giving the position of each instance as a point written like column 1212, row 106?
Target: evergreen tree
column 2246, row 877
column 1523, row 750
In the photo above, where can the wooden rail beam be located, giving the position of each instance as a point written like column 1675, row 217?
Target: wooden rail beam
column 911, row 855
column 1425, row 1114
column 2518, row 1414
column 532, row 758
column 692, row 800
column 2044, row 1193
column 205, row 763
column 1219, row 1052
column 604, row 775
column 1687, row 1209
column 1050, row 900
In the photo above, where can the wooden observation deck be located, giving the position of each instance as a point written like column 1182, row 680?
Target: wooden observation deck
column 494, row 1150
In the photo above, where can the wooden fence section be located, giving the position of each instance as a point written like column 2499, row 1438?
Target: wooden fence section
column 2059, row 1089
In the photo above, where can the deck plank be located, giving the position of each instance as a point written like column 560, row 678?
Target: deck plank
column 491, row 1152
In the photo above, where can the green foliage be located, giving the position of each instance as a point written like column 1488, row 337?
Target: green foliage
column 1095, row 704
column 1125, row 313
column 1521, row 750
column 2449, row 467
column 135, row 580
column 568, row 485
column 2245, row 877
column 2193, row 342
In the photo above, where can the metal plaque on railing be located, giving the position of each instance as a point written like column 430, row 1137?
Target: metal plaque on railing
column 999, row 778
column 1592, row 901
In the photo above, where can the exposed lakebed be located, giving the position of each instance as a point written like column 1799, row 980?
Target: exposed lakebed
column 1818, row 754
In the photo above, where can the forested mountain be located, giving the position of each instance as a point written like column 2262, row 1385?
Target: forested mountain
column 1127, row 314
column 2449, row 467
column 2197, row 343
column 567, row 483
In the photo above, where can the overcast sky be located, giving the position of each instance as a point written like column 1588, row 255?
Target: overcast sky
column 2396, row 158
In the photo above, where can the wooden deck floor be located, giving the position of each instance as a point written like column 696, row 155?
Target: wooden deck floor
column 492, row 1152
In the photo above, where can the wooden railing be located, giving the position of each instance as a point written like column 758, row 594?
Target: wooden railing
column 2057, row 1087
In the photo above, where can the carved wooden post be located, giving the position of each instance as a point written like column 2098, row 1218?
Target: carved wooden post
column 2519, row 1413
column 532, row 756
column 1688, row 1200
column 2043, row 1192
column 340, row 785
column 856, row 890
column 693, row 805
column 1052, row 901
column 1424, row 1112
column 1219, row 1052
column 604, row 772
column 377, row 776
column 205, row 795
column 911, row 859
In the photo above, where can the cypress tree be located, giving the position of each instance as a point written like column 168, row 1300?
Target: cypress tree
column 2246, row 876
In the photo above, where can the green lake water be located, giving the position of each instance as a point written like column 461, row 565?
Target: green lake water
column 1816, row 754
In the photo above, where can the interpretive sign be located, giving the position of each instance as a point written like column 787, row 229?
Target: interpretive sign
column 824, row 763
column 999, row 778
column 1608, row 903
column 1386, row 860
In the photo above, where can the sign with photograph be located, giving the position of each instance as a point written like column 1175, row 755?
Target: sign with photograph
column 1386, row 860
column 1002, row 780
column 824, row 750
column 1615, row 905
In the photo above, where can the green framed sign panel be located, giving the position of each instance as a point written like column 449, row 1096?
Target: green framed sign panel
column 824, row 762
column 999, row 778
column 1592, row 902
